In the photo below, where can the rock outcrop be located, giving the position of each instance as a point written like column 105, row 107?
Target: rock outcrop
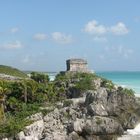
column 101, row 113
column 33, row 131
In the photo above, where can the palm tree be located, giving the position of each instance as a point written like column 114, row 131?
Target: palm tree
column 32, row 87
column 24, row 90
column 19, row 90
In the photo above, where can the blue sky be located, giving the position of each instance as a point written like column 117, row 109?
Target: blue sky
column 42, row 34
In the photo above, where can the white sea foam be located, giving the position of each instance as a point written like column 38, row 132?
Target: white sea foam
column 135, row 131
column 132, row 134
column 124, row 86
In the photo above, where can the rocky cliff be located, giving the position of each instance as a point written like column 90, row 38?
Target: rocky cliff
column 99, row 110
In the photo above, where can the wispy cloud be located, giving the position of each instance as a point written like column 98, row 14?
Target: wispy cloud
column 40, row 36
column 61, row 38
column 120, row 51
column 12, row 45
column 96, row 29
column 14, row 30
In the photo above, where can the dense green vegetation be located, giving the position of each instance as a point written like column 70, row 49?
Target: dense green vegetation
column 19, row 99
column 129, row 92
column 107, row 84
column 81, row 81
column 12, row 71
column 39, row 77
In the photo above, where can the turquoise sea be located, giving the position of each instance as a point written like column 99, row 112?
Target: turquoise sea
column 125, row 79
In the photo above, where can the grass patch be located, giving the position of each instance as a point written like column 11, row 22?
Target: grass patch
column 16, row 121
column 12, row 71
column 67, row 103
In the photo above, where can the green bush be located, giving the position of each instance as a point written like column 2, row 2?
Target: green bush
column 128, row 91
column 81, row 81
column 12, row 126
column 107, row 84
column 16, row 120
column 40, row 77
column 85, row 82
column 41, row 97
column 67, row 103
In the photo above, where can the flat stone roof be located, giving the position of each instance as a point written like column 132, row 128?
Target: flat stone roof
column 76, row 61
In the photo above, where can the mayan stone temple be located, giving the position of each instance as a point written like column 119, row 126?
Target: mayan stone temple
column 77, row 65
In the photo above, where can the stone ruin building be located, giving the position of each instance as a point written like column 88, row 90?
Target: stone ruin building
column 77, row 65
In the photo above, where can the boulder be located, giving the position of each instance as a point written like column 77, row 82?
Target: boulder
column 74, row 136
column 32, row 132
column 54, row 127
column 102, row 126
column 91, row 96
column 96, row 109
column 78, row 126
column 97, row 83
column 78, row 101
column 100, row 95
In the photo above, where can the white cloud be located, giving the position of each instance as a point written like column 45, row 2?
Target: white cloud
column 14, row 30
column 120, row 51
column 62, row 38
column 96, row 29
column 40, row 36
column 119, row 29
column 12, row 45
column 125, row 52
column 92, row 27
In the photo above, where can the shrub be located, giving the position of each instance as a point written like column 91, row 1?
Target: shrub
column 85, row 82
column 12, row 126
column 39, row 77
column 67, row 103
column 40, row 97
column 128, row 91
column 107, row 84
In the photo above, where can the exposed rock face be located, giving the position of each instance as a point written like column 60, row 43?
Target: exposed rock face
column 96, row 126
column 54, row 128
column 33, row 131
column 96, row 102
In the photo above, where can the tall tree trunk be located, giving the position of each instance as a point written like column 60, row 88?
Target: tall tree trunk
column 25, row 94
column 2, row 114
